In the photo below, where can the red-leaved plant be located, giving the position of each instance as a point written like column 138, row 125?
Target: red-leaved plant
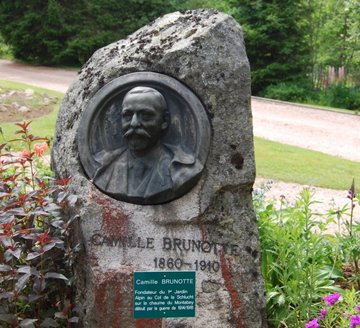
column 34, row 255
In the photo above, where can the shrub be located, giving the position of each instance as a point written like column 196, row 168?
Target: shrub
column 290, row 91
column 34, row 280
column 5, row 50
column 339, row 95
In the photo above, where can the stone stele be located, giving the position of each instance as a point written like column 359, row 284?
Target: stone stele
column 213, row 222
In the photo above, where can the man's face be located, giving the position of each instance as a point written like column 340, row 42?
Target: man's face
column 142, row 120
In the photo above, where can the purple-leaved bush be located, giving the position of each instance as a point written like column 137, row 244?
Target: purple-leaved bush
column 34, row 278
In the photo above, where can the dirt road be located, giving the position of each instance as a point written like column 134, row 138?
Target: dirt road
column 46, row 77
column 329, row 132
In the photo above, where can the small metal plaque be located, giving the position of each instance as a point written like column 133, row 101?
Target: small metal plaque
column 164, row 294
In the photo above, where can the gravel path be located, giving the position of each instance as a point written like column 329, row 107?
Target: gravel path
column 45, row 77
column 329, row 132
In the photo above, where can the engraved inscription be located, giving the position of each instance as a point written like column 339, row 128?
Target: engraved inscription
column 182, row 247
column 178, row 264
column 98, row 239
column 167, row 244
column 199, row 246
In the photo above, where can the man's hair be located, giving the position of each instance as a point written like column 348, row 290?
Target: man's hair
column 154, row 92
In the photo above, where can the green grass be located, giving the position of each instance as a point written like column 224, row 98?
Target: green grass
column 331, row 109
column 294, row 164
column 313, row 105
column 42, row 126
column 273, row 160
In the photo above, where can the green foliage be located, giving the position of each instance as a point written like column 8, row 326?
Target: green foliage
column 302, row 263
column 333, row 34
column 5, row 50
column 286, row 40
column 224, row 5
column 68, row 32
column 291, row 40
column 340, row 95
column 291, row 91
column 297, row 263
column 22, row 26
column 339, row 35
column 275, row 40
column 337, row 95
column 348, row 235
column 35, row 289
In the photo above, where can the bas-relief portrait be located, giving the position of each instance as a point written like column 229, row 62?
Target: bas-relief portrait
column 147, row 137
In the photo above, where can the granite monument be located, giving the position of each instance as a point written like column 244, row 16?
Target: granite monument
column 156, row 135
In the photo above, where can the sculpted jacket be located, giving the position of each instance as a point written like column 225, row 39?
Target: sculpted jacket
column 166, row 169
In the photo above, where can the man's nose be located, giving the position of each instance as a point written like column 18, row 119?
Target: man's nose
column 135, row 121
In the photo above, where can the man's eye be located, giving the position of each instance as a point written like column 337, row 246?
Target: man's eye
column 126, row 115
column 146, row 116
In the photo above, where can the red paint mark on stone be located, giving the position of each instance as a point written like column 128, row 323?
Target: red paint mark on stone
column 114, row 221
column 148, row 323
column 203, row 231
column 234, row 295
column 108, row 300
column 100, row 298
column 113, row 303
column 92, row 258
column 113, row 300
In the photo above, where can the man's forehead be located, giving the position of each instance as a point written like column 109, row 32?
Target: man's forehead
column 145, row 100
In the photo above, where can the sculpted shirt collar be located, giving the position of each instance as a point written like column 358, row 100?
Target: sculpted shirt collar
column 180, row 156
column 146, row 159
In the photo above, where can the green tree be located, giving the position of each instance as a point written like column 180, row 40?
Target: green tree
column 316, row 17
column 339, row 44
column 275, row 35
column 68, row 32
column 275, row 40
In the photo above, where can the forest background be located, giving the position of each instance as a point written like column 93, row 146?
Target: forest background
column 304, row 51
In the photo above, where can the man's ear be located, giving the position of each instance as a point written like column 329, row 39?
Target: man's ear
column 164, row 125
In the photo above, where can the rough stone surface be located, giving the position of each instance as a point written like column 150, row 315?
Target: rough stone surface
column 204, row 50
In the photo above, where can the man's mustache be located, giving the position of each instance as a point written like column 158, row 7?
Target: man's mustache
column 139, row 132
